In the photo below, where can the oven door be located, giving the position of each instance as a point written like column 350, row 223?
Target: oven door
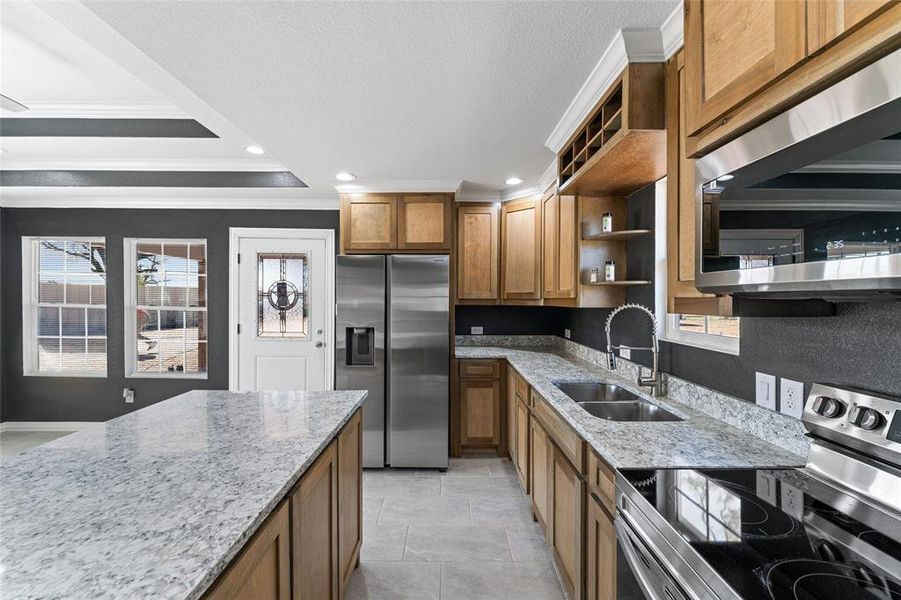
column 808, row 204
column 639, row 571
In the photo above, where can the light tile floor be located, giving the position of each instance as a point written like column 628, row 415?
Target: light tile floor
column 466, row 534
column 14, row 442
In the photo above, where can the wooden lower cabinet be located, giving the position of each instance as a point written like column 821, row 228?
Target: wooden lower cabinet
column 350, row 499
column 262, row 570
column 541, row 463
column 314, row 530
column 480, row 418
column 522, row 443
column 512, row 377
column 565, row 526
column 600, row 552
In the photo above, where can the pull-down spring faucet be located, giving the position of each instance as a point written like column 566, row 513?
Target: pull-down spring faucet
column 654, row 379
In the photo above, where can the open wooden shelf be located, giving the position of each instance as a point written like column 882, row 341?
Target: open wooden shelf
column 626, row 234
column 622, row 283
column 621, row 146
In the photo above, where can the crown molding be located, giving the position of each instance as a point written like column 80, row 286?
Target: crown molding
column 463, row 196
column 672, row 31
column 401, row 186
column 174, row 198
column 627, row 46
column 75, row 110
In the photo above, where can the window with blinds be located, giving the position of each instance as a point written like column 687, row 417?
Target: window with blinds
column 64, row 289
column 166, row 308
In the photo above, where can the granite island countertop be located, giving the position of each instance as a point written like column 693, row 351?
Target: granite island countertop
column 156, row 503
column 700, row 441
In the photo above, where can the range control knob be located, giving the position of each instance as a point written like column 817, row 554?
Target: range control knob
column 866, row 418
column 828, row 407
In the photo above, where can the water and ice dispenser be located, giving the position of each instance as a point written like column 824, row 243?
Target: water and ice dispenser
column 360, row 346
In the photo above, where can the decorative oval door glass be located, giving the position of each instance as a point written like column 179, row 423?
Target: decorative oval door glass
column 282, row 295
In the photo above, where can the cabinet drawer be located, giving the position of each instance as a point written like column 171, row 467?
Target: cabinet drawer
column 568, row 440
column 480, row 369
column 601, row 480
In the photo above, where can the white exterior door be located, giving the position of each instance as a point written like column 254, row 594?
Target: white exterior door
column 283, row 307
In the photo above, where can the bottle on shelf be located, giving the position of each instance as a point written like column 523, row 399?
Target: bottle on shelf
column 607, row 223
column 610, row 271
column 593, row 277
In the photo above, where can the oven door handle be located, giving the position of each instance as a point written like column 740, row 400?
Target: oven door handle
column 640, row 565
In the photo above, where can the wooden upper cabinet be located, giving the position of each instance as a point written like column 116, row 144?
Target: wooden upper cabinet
column 828, row 20
column 735, row 49
column 396, row 223
column 521, row 250
column 368, row 222
column 682, row 295
column 424, row 222
column 478, row 247
column 550, row 215
column 262, row 571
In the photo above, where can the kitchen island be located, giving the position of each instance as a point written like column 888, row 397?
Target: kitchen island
column 186, row 497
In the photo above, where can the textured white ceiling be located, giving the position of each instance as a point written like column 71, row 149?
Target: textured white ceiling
column 386, row 90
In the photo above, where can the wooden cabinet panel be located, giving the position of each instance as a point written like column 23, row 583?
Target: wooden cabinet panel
column 480, row 408
column 735, row 49
column 566, row 526
column 350, row 499
column 480, row 369
column 522, row 443
column 601, row 480
column 567, row 243
column 550, row 214
column 566, row 439
column 521, row 250
column 478, row 248
column 828, row 20
column 424, row 222
column 600, row 552
column 541, row 462
column 368, row 222
column 511, row 413
column 314, row 530
column 262, row 570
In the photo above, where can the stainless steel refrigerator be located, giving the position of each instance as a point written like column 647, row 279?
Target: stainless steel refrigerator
column 393, row 339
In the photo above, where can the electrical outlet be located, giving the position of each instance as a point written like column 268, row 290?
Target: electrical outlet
column 566, row 333
column 765, row 394
column 791, row 397
column 475, row 330
column 792, row 501
column 626, row 353
column 766, row 487
column 129, row 395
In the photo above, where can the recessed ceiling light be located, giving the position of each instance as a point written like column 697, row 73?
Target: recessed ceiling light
column 254, row 149
column 726, row 177
column 514, row 180
column 345, row 176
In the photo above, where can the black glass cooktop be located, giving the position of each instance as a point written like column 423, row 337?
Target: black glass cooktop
column 777, row 534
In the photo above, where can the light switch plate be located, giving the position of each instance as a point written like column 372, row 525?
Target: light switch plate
column 625, row 353
column 475, row 330
column 791, row 397
column 766, row 486
column 566, row 333
column 765, row 394
column 129, row 395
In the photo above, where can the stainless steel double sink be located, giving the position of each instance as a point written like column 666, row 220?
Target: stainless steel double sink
column 612, row 402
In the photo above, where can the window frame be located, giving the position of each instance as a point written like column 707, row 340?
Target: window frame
column 31, row 304
column 707, row 341
column 130, row 246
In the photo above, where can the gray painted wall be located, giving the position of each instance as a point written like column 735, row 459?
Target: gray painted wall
column 96, row 399
column 860, row 346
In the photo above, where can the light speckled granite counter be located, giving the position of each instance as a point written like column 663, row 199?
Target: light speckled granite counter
column 156, row 503
column 697, row 442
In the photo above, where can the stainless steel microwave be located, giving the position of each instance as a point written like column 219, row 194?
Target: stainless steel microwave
column 808, row 204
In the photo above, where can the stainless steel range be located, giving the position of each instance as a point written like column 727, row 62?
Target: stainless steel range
column 831, row 530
